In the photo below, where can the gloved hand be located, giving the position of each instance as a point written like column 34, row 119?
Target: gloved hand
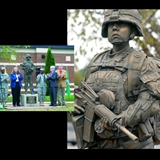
column 78, row 109
column 104, row 122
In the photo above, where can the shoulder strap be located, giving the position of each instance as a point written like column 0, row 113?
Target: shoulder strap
column 135, row 60
column 97, row 56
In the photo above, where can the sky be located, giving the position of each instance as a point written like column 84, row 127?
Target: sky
column 73, row 40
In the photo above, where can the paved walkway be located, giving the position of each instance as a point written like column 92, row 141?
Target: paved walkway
column 46, row 105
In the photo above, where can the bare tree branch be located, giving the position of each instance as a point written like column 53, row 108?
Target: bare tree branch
column 149, row 17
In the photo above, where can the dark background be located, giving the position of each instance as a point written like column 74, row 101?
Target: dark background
column 36, row 133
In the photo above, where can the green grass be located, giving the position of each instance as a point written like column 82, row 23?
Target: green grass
column 68, row 107
column 70, row 98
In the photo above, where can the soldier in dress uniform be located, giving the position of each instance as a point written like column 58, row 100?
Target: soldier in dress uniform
column 41, row 86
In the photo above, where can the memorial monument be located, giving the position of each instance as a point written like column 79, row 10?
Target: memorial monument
column 32, row 98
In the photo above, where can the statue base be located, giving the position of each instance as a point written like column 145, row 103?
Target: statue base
column 29, row 99
column 1, row 106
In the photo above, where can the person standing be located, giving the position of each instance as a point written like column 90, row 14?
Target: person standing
column 16, row 84
column 61, row 85
column 4, row 79
column 41, row 86
column 53, row 84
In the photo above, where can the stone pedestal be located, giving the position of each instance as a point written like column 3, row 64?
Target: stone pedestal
column 29, row 99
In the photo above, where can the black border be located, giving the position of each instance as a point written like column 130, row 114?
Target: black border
column 44, row 132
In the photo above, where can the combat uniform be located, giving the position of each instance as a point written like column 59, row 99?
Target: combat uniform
column 4, row 87
column 41, row 87
column 133, row 80
column 28, row 68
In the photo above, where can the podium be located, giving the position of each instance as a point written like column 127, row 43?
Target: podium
column 29, row 99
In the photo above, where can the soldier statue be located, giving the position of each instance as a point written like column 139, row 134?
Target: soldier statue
column 28, row 68
column 117, row 103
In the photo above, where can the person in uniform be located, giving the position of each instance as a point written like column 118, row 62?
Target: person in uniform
column 28, row 67
column 127, row 83
column 61, row 85
column 4, row 80
column 41, row 86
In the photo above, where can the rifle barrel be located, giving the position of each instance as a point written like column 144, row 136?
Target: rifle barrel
column 129, row 134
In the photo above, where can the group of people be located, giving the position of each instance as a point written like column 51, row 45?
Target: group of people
column 57, row 84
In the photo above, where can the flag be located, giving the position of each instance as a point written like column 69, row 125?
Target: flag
column 67, row 83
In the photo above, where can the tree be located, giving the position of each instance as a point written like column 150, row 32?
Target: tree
column 79, row 76
column 84, row 29
column 9, row 51
column 50, row 61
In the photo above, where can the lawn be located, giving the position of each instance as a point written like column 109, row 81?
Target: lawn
column 68, row 107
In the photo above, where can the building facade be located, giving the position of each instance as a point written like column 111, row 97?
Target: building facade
column 62, row 54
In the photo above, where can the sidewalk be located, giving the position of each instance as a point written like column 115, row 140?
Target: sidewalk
column 46, row 105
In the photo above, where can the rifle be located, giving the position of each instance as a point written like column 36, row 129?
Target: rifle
column 90, row 100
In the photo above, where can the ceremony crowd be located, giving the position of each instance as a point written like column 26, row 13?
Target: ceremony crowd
column 57, row 84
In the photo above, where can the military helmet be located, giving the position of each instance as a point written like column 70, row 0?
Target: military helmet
column 2, row 68
column 28, row 55
column 127, row 15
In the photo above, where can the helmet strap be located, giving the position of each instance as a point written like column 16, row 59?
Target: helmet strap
column 132, row 36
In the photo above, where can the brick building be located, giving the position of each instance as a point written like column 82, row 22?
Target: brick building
column 62, row 54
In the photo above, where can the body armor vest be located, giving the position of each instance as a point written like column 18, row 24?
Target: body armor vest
column 119, row 75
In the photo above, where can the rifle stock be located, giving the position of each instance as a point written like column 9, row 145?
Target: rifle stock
column 94, row 108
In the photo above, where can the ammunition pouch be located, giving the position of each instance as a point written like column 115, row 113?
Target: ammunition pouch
column 156, row 126
column 145, row 130
column 89, row 119
column 78, row 124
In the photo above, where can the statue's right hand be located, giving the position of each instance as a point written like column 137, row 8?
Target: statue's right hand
column 78, row 109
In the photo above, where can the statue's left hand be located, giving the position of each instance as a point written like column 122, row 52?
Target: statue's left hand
column 104, row 122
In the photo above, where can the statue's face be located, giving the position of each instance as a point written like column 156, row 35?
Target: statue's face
column 118, row 32
column 28, row 58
